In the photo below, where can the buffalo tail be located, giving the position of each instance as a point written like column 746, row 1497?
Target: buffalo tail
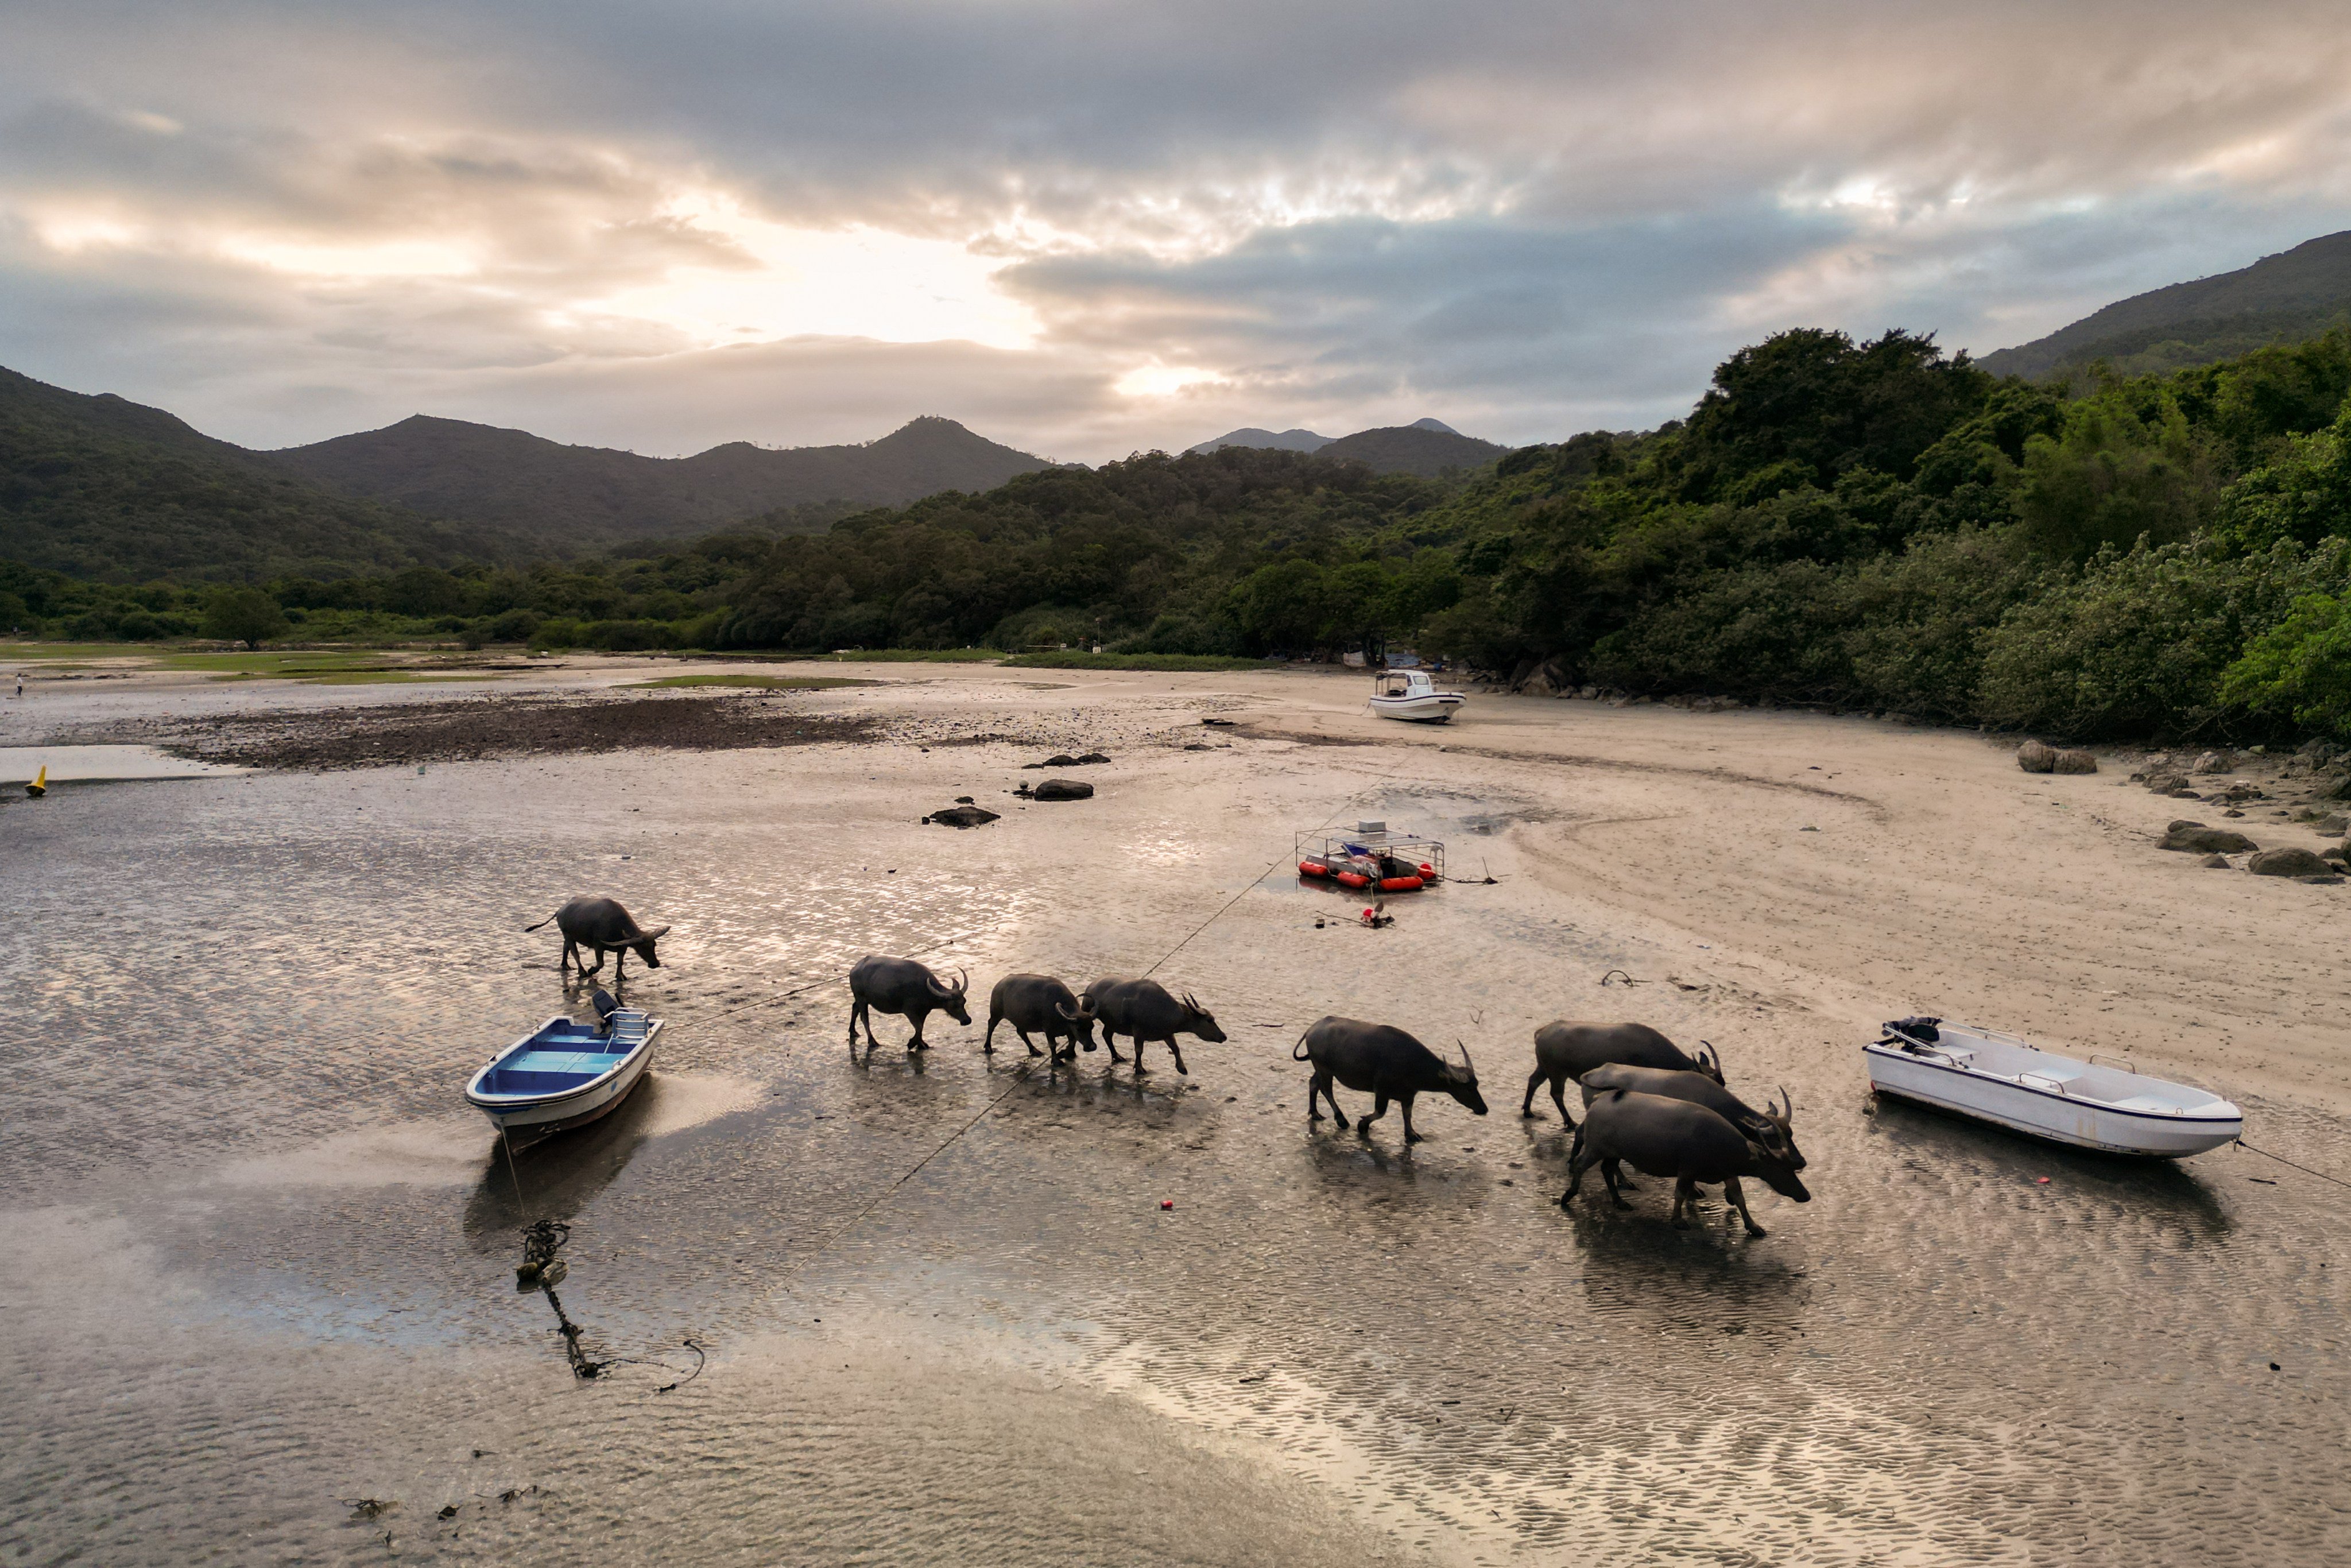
column 541, row 923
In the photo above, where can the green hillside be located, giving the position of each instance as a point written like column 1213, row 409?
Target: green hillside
column 566, row 497
column 105, row 488
column 2282, row 298
column 1412, row 449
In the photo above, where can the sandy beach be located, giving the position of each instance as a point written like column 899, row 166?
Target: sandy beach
column 258, row 1260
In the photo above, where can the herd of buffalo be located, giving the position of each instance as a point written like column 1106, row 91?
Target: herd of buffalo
column 1646, row 1103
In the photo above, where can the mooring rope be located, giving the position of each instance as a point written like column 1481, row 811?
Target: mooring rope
column 2281, row 1159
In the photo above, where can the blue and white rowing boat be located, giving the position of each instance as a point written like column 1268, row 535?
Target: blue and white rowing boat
column 565, row 1074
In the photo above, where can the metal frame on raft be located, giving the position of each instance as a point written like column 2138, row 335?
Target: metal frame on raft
column 1350, row 859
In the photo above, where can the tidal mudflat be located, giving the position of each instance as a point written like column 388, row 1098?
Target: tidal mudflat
column 256, row 1259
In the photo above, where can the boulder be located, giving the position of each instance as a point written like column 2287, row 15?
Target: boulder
column 2214, row 863
column 1092, row 756
column 1062, row 789
column 2167, row 783
column 2195, row 838
column 2075, row 761
column 2037, row 757
column 2288, row 863
column 2335, row 826
column 2222, row 761
column 962, row 817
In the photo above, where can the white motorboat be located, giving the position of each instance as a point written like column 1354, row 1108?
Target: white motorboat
column 564, row 1074
column 1997, row 1078
column 1411, row 696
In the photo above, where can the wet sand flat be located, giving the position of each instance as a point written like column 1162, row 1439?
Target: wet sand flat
column 258, row 1260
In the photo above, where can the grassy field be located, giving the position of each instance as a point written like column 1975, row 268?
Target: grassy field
column 762, row 683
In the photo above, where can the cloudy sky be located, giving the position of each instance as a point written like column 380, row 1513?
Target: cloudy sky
column 1090, row 226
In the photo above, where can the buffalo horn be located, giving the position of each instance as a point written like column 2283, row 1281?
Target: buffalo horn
column 1079, row 1016
column 649, row 936
column 962, row 981
column 1787, row 1108
column 1467, row 1065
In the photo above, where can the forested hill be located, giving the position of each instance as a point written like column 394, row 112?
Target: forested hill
column 105, row 488
column 566, row 497
column 2284, row 299
column 1873, row 525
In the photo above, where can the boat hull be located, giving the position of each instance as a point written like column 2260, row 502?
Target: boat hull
column 1436, row 708
column 2049, row 1113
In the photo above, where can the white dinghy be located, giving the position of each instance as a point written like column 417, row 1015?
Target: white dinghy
column 1411, row 696
column 565, row 1074
column 1997, row 1078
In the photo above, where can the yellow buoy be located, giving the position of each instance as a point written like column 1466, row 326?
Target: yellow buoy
column 40, row 784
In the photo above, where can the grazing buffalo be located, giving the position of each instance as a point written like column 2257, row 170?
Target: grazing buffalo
column 1041, row 1004
column 903, row 986
column 1673, row 1138
column 1384, row 1062
column 1568, row 1049
column 1767, row 1127
column 1144, row 1010
column 601, row 926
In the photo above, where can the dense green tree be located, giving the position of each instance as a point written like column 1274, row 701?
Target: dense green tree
column 245, row 615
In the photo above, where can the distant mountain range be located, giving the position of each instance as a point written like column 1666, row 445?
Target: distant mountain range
column 1426, row 447
column 100, row 486
column 2286, row 297
column 104, row 487
column 592, row 496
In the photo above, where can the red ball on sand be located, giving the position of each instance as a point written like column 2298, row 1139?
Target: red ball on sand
column 1167, row 1203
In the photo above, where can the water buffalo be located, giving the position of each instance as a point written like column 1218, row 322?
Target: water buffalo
column 1568, row 1049
column 1042, row 1004
column 1673, row 1138
column 902, row 986
column 601, row 926
column 1384, row 1062
column 1767, row 1127
column 1144, row 1010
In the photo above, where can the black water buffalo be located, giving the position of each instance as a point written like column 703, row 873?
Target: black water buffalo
column 1041, row 1004
column 1384, row 1062
column 1767, row 1127
column 1144, row 1010
column 601, row 926
column 902, row 986
column 1568, row 1049
column 1673, row 1138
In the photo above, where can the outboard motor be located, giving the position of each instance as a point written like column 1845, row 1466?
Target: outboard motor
column 605, row 1007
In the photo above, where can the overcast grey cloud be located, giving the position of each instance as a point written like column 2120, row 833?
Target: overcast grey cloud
column 1091, row 227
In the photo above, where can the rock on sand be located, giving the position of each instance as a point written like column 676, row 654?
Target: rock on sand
column 2037, row 757
column 2198, row 839
column 2294, row 862
column 2075, row 761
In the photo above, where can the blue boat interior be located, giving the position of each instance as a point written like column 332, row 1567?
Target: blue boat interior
column 565, row 1055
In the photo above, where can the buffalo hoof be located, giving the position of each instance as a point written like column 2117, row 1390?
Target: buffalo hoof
column 1413, row 1138
column 1756, row 1230
column 1618, row 1201
column 1313, row 1115
column 1528, row 1111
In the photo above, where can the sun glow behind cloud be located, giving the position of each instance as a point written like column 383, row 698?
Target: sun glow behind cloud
column 852, row 282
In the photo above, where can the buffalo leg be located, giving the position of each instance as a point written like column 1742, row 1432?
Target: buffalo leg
column 1139, row 1043
column 1684, row 1197
column 856, row 1007
column 1534, row 1081
column 1177, row 1052
column 988, row 1040
column 1576, row 1165
column 1409, row 1135
column 1379, row 1109
column 600, row 962
column 619, row 964
column 1608, row 1175
column 570, row 952
column 1111, row 1040
column 917, row 1042
column 1559, row 1097
column 1732, row 1190
column 1030, row 1043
